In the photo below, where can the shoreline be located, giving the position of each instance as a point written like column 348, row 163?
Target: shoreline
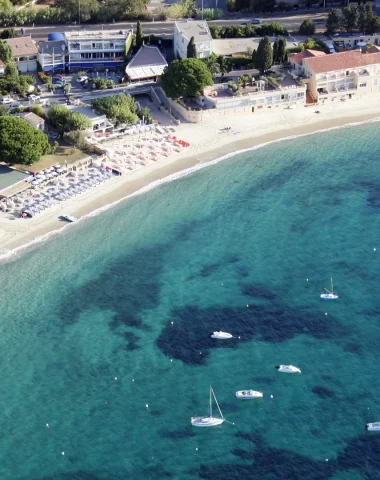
column 208, row 147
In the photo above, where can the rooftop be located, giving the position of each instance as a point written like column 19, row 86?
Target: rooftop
column 194, row 28
column 9, row 176
column 22, row 46
column 79, row 35
column 299, row 56
column 56, row 46
column 338, row 61
column 87, row 110
column 148, row 62
column 31, row 118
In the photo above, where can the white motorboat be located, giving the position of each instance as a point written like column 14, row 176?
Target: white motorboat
column 69, row 218
column 221, row 335
column 209, row 421
column 373, row 427
column 248, row 394
column 329, row 295
column 288, row 369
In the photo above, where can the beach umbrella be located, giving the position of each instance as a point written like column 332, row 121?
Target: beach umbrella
column 36, row 182
column 59, row 170
column 49, row 176
column 55, row 174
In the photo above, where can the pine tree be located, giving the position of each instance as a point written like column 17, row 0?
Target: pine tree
column 139, row 35
column 264, row 55
column 275, row 50
column 281, row 49
column 191, row 49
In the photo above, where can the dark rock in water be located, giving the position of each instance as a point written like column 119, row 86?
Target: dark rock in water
column 323, row 392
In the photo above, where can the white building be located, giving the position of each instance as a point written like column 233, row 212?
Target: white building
column 24, row 53
column 97, row 49
column 184, row 30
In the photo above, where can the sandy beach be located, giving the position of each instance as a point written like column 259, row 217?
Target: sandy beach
column 207, row 143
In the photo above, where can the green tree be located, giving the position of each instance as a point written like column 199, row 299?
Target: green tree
column 5, row 52
column 188, row 76
column 191, row 49
column 275, row 50
column 65, row 120
column 139, row 35
column 83, row 11
column 333, row 21
column 8, row 33
column 67, row 88
column 264, row 55
column 20, row 142
column 223, row 67
column 371, row 22
column 5, row 5
column 307, row 27
column 118, row 108
column 212, row 64
column 350, row 17
column 281, row 49
column 78, row 121
column 54, row 147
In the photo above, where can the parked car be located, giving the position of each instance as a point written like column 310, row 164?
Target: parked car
column 255, row 21
column 6, row 100
column 34, row 98
column 82, row 78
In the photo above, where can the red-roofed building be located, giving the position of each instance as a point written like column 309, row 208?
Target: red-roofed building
column 295, row 59
column 340, row 76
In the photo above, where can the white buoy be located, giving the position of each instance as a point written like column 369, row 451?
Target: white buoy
column 172, row 323
column 47, row 425
column 115, row 378
column 62, row 453
column 247, row 306
column 325, row 313
column 271, row 396
column 374, row 249
column 133, row 379
column 326, row 459
column 147, row 406
column 239, row 337
column 196, row 448
column 307, row 279
column 171, row 359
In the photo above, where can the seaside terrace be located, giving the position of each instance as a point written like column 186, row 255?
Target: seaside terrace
column 257, row 95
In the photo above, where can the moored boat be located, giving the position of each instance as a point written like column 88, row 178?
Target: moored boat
column 288, row 369
column 221, row 335
column 373, row 427
column 209, row 421
column 248, row 394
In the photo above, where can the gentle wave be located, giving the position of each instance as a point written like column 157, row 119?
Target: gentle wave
column 11, row 254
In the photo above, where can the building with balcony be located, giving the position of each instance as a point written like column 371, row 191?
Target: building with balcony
column 96, row 49
column 342, row 76
column 184, row 30
column 51, row 55
column 24, row 51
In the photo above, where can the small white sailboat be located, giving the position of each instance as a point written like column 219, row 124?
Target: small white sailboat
column 209, row 421
column 248, row 394
column 373, row 427
column 288, row 369
column 329, row 295
column 221, row 335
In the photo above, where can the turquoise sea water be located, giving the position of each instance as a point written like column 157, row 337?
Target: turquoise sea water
column 230, row 247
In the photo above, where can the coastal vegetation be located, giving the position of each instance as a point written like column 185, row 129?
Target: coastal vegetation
column 120, row 109
column 264, row 55
column 64, row 120
column 353, row 18
column 186, row 77
column 20, row 142
column 247, row 31
column 12, row 81
column 307, row 27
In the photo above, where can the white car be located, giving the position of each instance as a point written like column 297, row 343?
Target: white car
column 34, row 98
column 6, row 100
column 82, row 78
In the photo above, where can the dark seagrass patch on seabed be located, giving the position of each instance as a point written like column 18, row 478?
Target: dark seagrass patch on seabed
column 323, row 392
column 188, row 338
column 120, row 288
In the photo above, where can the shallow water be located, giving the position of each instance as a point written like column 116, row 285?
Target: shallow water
column 246, row 246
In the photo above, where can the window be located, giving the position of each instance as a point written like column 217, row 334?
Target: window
column 374, row 82
column 364, row 84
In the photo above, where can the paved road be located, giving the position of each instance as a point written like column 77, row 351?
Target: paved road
column 290, row 22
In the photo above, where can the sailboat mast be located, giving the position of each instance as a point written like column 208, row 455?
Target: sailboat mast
column 210, row 402
column 217, row 404
column 332, row 287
